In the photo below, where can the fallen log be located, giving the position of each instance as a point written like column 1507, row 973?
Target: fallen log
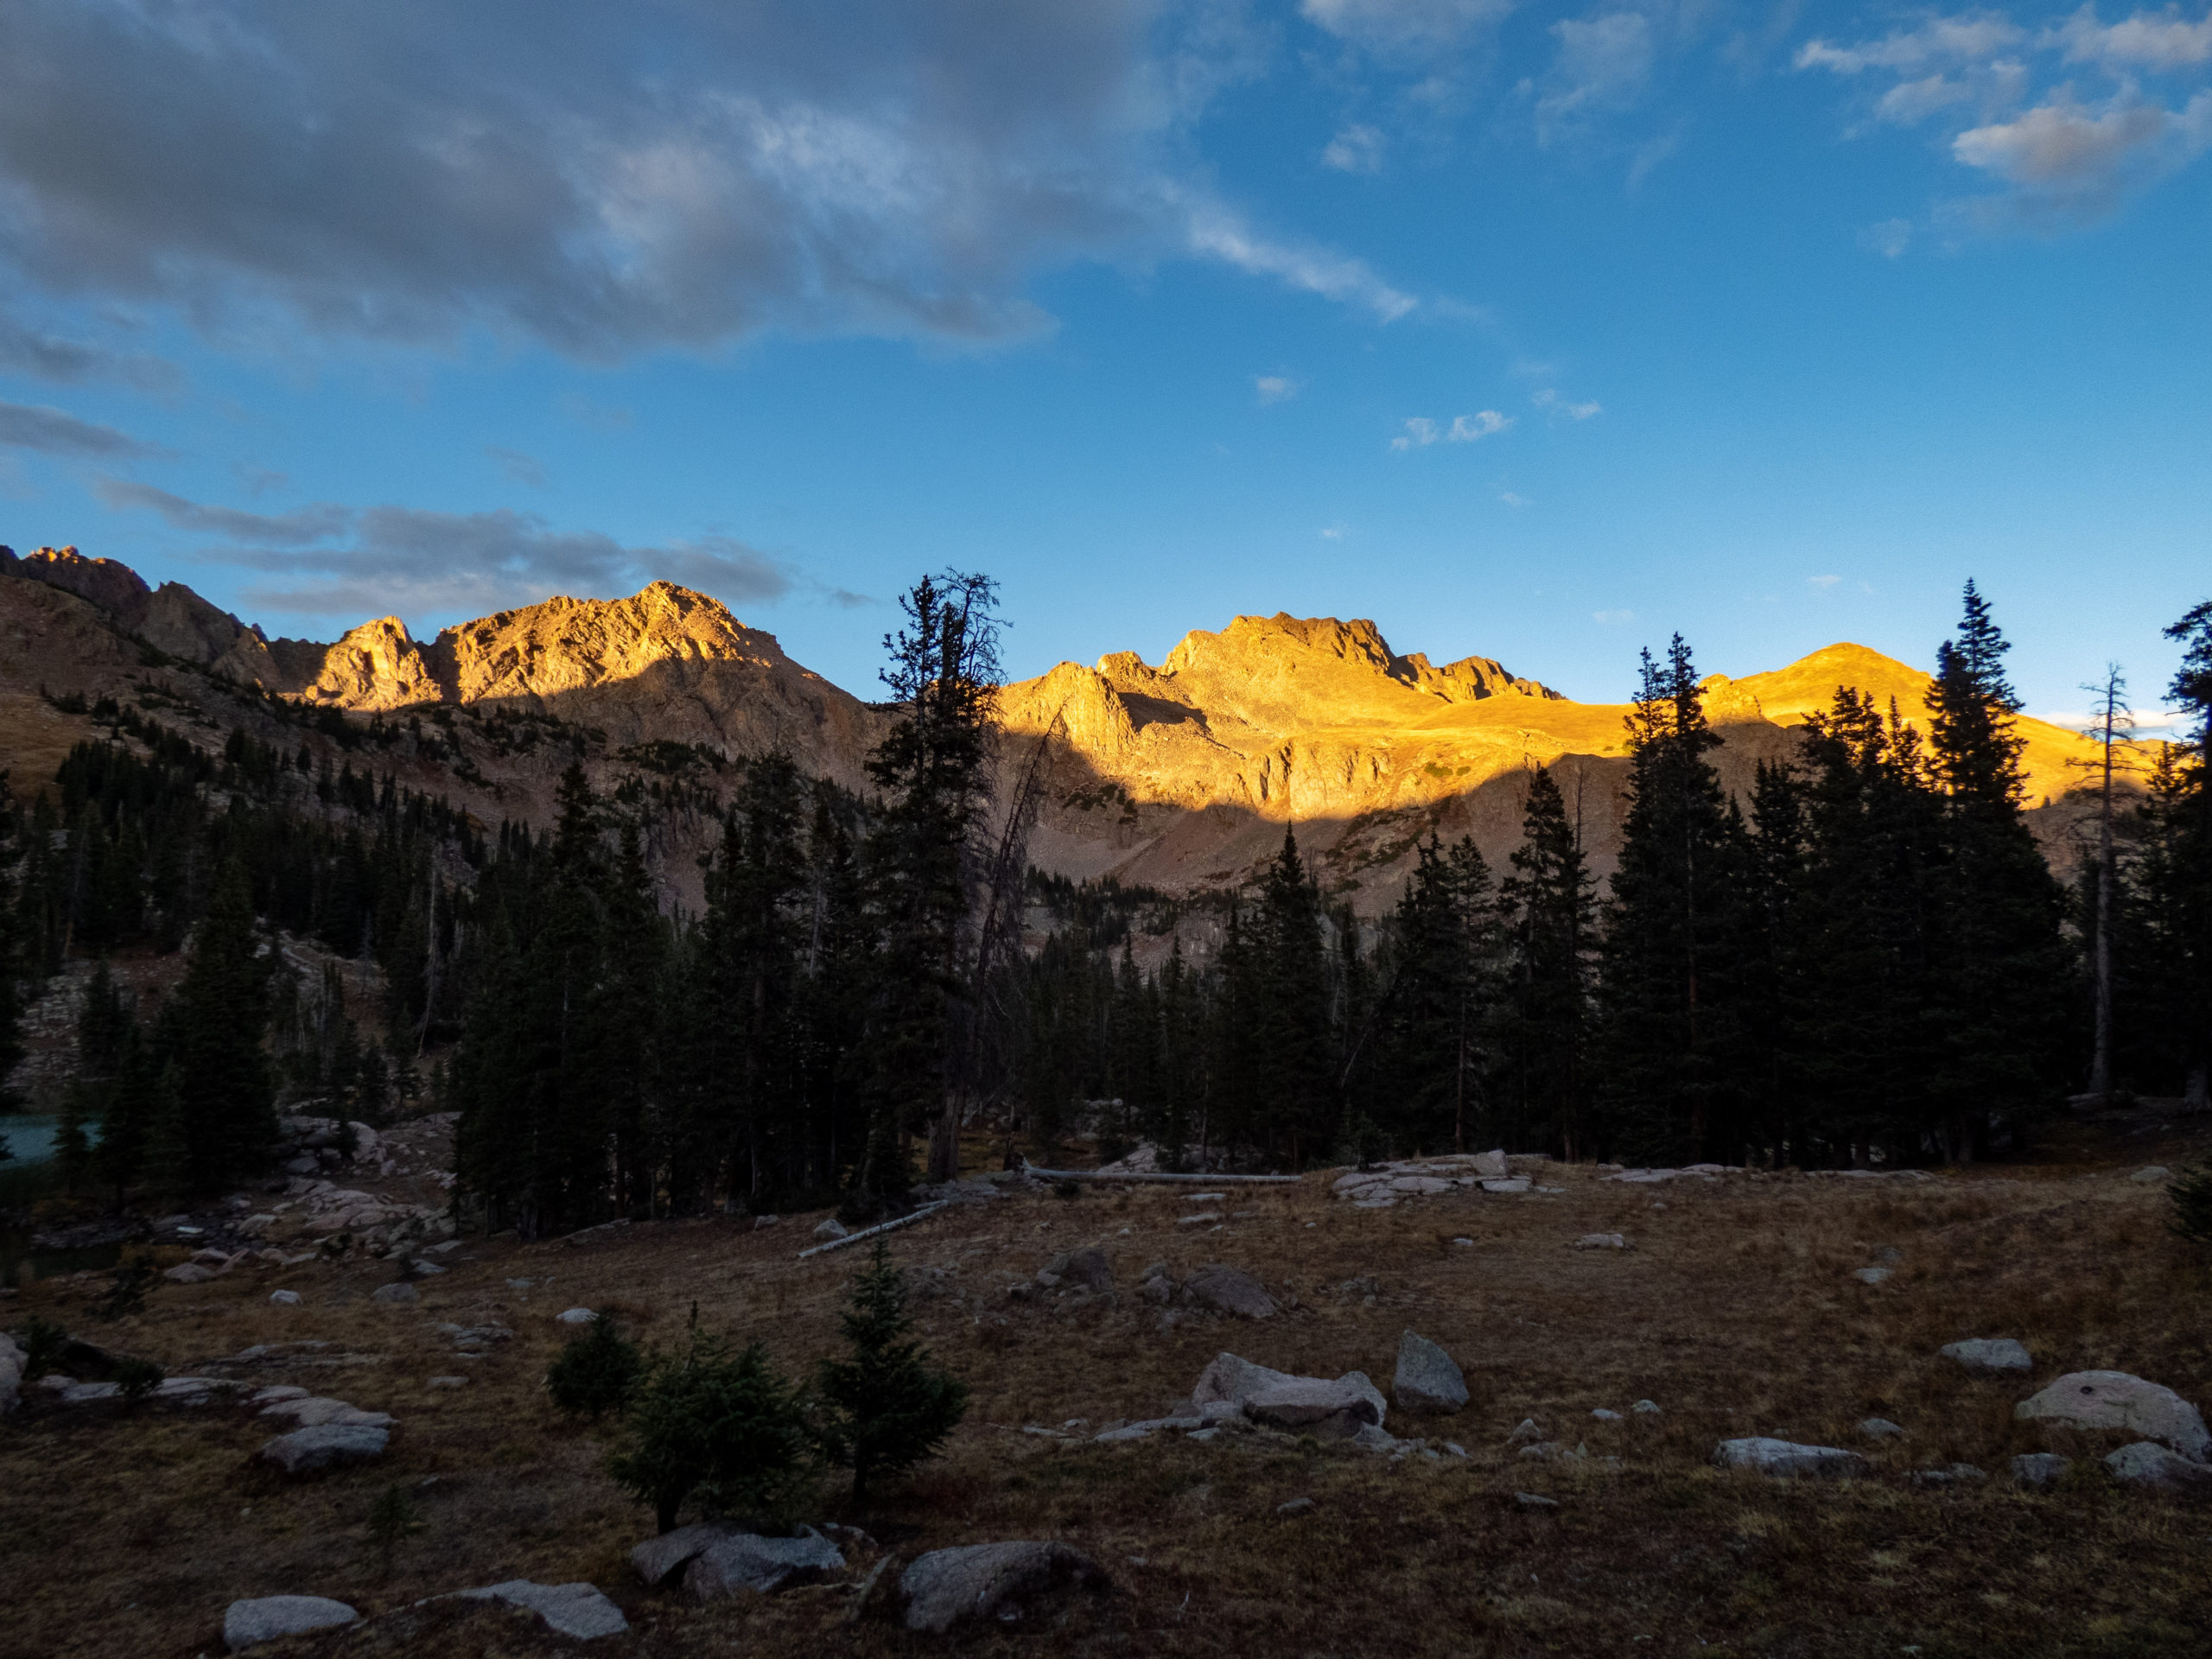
column 1028, row 1168
column 922, row 1214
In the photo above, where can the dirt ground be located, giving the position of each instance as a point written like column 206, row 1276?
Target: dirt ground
column 128, row 1533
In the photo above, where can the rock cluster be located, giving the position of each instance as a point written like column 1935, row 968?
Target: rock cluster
column 327, row 1433
column 2116, row 1400
column 1384, row 1184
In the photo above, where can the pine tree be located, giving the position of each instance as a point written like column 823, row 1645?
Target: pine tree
column 1291, row 1044
column 1549, row 908
column 886, row 1407
column 212, row 1036
column 2187, row 894
column 2004, row 975
column 933, row 766
column 1436, row 1009
column 1673, row 1024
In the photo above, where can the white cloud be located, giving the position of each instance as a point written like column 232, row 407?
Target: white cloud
column 1889, row 239
column 1467, row 428
column 1602, row 63
column 1275, row 388
column 1331, row 532
column 1401, row 25
column 1419, row 432
column 1549, row 398
column 1941, row 40
column 2147, row 40
column 1910, row 102
column 1215, row 233
column 1610, row 619
column 2063, row 155
column 1823, row 582
column 1513, row 500
column 1355, row 150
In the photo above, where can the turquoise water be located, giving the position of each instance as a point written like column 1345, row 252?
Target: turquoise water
column 29, row 1137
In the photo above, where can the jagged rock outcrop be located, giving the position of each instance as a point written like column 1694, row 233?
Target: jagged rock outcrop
column 1181, row 776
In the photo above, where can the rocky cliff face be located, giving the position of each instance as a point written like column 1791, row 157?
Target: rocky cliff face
column 1182, row 776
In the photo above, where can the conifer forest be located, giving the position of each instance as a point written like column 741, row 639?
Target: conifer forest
column 1866, row 959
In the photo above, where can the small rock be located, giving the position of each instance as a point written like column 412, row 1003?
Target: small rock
column 1534, row 1501
column 1198, row 1220
column 1605, row 1416
column 659, row 1559
column 745, row 1561
column 1230, row 1290
column 1524, row 1432
column 333, row 1446
column 2039, row 1469
column 1871, row 1276
column 1881, row 1428
column 1426, row 1381
column 1956, row 1475
column 2116, row 1400
column 424, row 1268
column 285, row 1298
column 1088, row 1267
column 2149, row 1465
column 578, row 1610
column 1888, row 1255
column 831, row 1229
column 1492, row 1164
column 448, row 1383
column 2151, row 1173
column 247, row 1624
column 1990, row 1356
column 1601, row 1242
column 990, row 1583
column 1157, row 1270
column 1372, row 1437
column 399, row 1291
column 189, row 1273
column 1455, row 1448
column 1645, row 1409
column 1296, row 1506
column 1507, row 1185
column 1784, row 1458
column 758, row 1222
column 575, row 1316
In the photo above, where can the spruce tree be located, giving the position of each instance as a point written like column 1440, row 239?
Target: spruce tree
column 933, row 766
column 210, row 1039
column 2004, row 974
column 2187, row 893
column 1436, row 1009
column 886, row 1407
column 1549, row 908
column 1673, row 1021
column 1291, row 1048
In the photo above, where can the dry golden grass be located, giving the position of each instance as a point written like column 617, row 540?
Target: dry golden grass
column 128, row 1535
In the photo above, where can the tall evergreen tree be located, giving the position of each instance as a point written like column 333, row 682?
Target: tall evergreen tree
column 1292, row 1048
column 1673, row 1024
column 933, row 766
column 211, row 1034
column 2003, row 984
column 2187, row 892
column 1549, row 909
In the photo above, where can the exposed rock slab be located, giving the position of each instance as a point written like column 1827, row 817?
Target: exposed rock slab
column 1786, row 1457
column 264, row 1618
column 1230, row 1290
column 984, row 1584
column 1427, row 1380
column 2147, row 1463
column 2117, row 1399
column 1991, row 1356
column 746, row 1560
column 573, row 1609
column 306, row 1451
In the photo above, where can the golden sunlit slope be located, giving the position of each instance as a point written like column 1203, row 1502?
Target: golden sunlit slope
column 2054, row 759
column 1184, row 776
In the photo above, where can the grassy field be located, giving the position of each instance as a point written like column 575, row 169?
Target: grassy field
column 128, row 1534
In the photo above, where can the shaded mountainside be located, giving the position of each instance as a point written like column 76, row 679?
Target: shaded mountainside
column 1179, row 777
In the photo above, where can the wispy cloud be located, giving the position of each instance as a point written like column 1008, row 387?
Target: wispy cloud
column 1889, row 239
column 524, row 469
column 1823, row 582
column 2057, row 151
column 1214, row 233
column 1549, row 398
column 1467, row 428
column 50, row 431
column 318, row 523
column 1611, row 618
column 1355, row 149
column 1275, row 388
column 1602, row 63
column 71, row 362
column 1513, row 500
column 1398, row 26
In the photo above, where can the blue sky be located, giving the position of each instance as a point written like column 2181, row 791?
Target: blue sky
column 1535, row 331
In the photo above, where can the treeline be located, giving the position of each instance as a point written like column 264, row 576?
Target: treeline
column 1867, row 959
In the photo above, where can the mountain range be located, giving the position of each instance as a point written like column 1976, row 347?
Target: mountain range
column 1180, row 776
